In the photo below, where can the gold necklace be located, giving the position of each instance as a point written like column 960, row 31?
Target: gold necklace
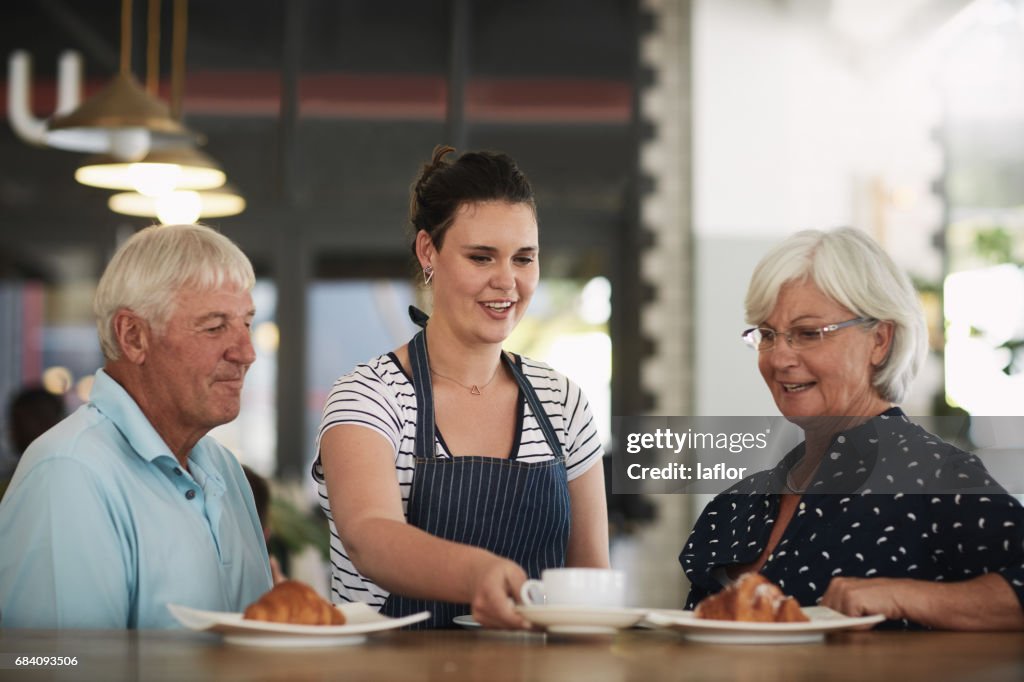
column 474, row 389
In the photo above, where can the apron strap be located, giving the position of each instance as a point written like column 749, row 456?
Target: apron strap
column 538, row 410
column 425, row 420
column 425, row 427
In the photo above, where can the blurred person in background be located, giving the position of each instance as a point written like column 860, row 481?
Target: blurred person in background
column 126, row 504
column 31, row 412
column 261, row 496
column 871, row 514
column 450, row 469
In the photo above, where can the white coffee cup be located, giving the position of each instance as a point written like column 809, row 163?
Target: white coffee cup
column 600, row 587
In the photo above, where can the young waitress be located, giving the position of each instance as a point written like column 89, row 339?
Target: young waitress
column 450, row 469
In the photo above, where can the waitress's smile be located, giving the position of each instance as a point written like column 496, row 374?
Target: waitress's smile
column 498, row 310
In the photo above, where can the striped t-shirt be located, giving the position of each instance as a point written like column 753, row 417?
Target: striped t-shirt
column 380, row 396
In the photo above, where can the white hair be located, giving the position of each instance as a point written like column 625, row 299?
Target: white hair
column 147, row 272
column 852, row 269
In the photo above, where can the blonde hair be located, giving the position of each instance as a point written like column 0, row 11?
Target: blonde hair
column 852, row 269
column 149, row 269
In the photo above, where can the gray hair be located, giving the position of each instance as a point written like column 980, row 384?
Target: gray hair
column 852, row 269
column 149, row 269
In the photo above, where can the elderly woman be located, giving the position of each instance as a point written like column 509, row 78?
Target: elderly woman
column 850, row 518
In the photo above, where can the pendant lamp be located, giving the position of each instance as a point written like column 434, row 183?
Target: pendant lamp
column 175, row 186
column 180, row 207
column 122, row 119
column 161, row 170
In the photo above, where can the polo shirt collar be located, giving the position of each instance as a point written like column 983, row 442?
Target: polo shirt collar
column 114, row 402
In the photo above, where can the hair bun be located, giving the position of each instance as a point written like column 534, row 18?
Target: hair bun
column 440, row 151
column 436, row 162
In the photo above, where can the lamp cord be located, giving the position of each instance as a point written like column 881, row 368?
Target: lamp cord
column 153, row 48
column 178, row 40
column 126, row 37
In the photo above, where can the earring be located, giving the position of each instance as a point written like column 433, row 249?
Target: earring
column 428, row 274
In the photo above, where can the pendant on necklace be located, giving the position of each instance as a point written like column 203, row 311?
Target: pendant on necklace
column 474, row 390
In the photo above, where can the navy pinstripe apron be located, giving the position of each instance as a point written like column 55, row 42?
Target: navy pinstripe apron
column 517, row 510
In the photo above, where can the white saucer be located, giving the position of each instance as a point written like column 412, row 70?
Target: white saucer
column 581, row 620
column 467, row 622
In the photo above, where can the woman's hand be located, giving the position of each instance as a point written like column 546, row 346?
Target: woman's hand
column 867, row 596
column 983, row 603
column 495, row 592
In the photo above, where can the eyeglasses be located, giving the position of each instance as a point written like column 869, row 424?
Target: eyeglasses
column 798, row 338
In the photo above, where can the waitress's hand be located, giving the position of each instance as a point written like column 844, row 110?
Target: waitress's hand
column 495, row 592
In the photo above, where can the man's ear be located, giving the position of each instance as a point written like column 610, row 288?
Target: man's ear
column 425, row 251
column 133, row 336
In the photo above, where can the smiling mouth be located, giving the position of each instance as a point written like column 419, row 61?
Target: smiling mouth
column 498, row 306
column 797, row 388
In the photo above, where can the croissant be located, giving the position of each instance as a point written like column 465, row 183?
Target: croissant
column 294, row 602
column 752, row 598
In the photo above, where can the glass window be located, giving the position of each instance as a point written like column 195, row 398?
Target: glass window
column 350, row 322
column 48, row 338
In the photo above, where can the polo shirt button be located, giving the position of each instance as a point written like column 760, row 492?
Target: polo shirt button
column 177, row 471
column 190, row 494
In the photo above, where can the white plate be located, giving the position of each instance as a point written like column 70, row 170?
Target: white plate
column 581, row 620
column 360, row 619
column 467, row 622
column 822, row 620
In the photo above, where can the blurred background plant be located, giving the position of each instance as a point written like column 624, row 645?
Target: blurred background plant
column 292, row 530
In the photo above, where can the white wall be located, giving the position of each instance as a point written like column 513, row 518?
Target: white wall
column 767, row 106
column 727, row 380
column 793, row 129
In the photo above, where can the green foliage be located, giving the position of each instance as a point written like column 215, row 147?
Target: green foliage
column 994, row 244
column 296, row 528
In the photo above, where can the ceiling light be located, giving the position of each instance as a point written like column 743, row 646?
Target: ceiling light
column 161, row 171
column 197, row 181
column 122, row 119
column 180, row 206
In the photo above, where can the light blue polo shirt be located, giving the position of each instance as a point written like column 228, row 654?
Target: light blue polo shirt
column 100, row 528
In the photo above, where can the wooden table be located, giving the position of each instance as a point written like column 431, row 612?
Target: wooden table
column 492, row 657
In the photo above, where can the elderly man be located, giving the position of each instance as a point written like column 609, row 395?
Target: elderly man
column 125, row 505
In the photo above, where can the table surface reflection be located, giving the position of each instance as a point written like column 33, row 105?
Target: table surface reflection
column 481, row 656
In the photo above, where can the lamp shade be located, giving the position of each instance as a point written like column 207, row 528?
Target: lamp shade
column 161, row 171
column 180, row 206
column 121, row 119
